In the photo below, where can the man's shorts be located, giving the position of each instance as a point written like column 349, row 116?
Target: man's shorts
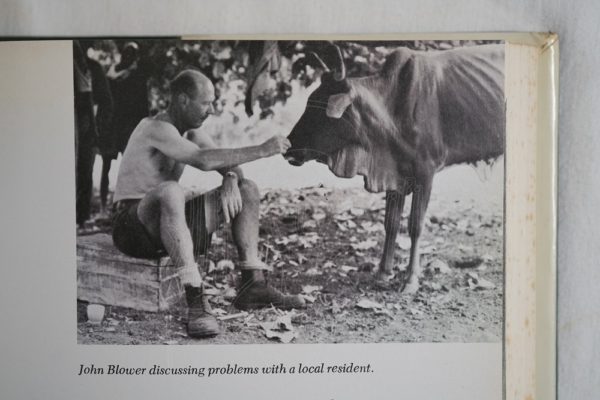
column 131, row 237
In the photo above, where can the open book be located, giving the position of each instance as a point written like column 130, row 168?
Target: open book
column 342, row 217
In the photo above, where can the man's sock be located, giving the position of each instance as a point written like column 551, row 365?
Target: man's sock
column 252, row 275
column 190, row 276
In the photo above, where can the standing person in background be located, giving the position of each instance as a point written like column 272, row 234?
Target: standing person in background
column 93, row 113
column 128, row 82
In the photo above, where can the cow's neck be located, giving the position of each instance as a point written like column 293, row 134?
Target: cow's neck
column 376, row 151
column 371, row 113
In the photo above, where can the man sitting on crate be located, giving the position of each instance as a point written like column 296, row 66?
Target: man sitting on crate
column 154, row 214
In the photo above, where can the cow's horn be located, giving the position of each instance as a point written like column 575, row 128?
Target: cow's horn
column 320, row 61
column 340, row 73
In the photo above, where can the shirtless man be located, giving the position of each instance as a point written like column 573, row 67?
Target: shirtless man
column 154, row 214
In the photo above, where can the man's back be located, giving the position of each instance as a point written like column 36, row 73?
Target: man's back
column 143, row 167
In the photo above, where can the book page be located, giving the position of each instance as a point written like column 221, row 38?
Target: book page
column 322, row 234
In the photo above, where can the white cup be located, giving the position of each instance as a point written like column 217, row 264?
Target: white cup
column 95, row 313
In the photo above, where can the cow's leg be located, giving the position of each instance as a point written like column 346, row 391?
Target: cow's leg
column 420, row 200
column 394, row 203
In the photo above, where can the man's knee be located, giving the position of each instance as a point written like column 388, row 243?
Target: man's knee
column 249, row 190
column 171, row 196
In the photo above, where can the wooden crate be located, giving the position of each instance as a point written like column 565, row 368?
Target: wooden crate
column 107, row 276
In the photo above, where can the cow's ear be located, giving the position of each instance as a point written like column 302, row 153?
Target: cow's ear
column 337, row 104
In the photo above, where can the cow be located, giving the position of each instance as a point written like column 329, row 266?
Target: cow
column 423, row 112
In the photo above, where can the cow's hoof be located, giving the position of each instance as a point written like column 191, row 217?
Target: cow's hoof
column 412, row 286
column 409, row 284
column 384, row 276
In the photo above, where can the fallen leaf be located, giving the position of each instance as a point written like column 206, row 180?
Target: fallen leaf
column 347, row 268
column 283, row 337
column 343, row 217
column 439, row 266
column 403, row 242
column 329, row 264
column 462, row 225
column 367, row 304
column 208, row 291
column 230, row 294
column 287, row 239
column 310, row 224
column 318, row 215
column 465, row 249
column 284, row 322
column 384, row 312
column 477, row 283
column 308, row 298
column 484, row 284
column 482, row 267
column 224, row 265
column 211, row 267
column 441, row 299
column 428, row 249
column 372, row 227
column 487, row 257
column 280, row 329
column 308, row 289
column 309, row 240
column 357, row 212
column 364, row 245
column 350, row 224
column 415, row 311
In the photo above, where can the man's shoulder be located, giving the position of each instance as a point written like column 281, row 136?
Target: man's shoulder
column 152, row 128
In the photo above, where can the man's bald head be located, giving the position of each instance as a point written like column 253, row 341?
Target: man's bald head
column 192, row 98
column 191, row 83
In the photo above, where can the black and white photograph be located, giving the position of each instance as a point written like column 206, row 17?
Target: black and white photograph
column 289, row 191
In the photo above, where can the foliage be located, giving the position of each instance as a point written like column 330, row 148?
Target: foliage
column 226, row 63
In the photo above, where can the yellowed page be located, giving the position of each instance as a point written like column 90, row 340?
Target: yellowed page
column 530, row 299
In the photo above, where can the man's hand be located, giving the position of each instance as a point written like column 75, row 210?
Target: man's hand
column 231, row 199
column 276, row 145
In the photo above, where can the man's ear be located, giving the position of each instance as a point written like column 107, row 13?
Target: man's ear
column 337, row 104
column 182, row 99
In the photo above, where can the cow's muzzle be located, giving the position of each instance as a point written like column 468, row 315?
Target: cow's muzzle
column 295, row 157
column 294, row 162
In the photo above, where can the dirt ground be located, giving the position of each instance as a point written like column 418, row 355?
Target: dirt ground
column 326, row 244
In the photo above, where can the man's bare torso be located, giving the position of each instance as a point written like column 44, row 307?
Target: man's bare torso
column 143, row 167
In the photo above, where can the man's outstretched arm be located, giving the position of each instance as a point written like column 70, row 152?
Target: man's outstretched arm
column 167, row 140
column 205, row 142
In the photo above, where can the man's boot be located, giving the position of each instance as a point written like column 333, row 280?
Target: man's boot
column 201, row 323
column 257, row 294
